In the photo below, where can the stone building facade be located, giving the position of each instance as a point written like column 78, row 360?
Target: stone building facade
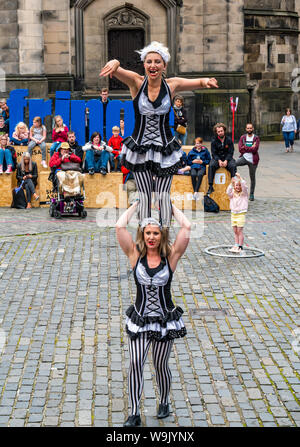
column 250, row 46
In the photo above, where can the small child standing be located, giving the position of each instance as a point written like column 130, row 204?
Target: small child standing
column 116, row 143
column 59, row 134
column 238, row 195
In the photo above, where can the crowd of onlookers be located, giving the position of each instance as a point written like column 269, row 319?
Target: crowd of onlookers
column 102, row 153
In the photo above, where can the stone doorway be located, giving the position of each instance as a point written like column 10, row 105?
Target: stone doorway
column 122, row 44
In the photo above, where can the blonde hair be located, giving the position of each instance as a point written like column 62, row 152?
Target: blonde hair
column 20, row 124
column 116, row 128
column 164, row 248
column 26, row 155
column 55, row 123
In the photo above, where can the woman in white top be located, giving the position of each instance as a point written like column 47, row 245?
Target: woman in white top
column 289, row 129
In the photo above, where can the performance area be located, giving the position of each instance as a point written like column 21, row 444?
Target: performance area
column 67, row 283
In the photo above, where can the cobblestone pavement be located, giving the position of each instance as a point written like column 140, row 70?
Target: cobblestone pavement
column 64, row 289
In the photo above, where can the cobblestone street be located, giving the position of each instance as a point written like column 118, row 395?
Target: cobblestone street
column 65, row 286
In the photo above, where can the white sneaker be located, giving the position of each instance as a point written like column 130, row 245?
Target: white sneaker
column 234, row 249
column 44, row 164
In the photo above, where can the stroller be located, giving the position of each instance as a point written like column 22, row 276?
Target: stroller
column 69, row 201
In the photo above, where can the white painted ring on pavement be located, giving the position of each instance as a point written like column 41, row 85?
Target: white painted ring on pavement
column 256, row 252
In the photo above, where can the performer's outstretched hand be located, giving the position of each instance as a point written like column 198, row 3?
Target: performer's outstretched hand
column 212, row 83
column 110, row 68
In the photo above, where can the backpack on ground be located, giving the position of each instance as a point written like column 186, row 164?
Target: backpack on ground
column 210, row 206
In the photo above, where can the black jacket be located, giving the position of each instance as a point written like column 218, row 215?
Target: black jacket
column 221, row 151
column 180, row 117
column 33, row 172
column 77, row 149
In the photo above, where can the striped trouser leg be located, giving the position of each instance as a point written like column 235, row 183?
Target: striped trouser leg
column 138, row 351
column 161, row 353
column 144, row 184
column 162, row 189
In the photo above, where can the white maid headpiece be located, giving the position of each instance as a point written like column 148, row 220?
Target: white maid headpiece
column 155, row 47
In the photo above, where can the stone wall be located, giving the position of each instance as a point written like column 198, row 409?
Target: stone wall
column 95, row 51
column 270, row 55
column 9, row 43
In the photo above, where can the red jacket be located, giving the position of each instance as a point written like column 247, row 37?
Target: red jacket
column 253, row 150
column 60, row 136
column 56, row 159
column 116, row 144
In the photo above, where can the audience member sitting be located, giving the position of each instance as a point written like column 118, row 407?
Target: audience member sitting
column 97, row 155
column 68, row 174
column 130, row 185
column 37, row 137
column 59, row 134
column 222, row 150
column 185, row 167
column 4, row 111
column 116, row 143
column 20, row 135
column 3, row 127
column 27, row 175
column 8, row 156
column 198, row 159
column 63, row 155
column 74, row 146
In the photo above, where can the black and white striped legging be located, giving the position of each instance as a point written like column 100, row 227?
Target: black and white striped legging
column 146, row 183
column 138, row 351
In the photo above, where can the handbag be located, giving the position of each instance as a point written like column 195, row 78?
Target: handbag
column 71, row 166
column 210, row 206
column 19, row 200
column 181, row 129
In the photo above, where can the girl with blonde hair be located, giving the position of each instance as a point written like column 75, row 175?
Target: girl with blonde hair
column 20, row 135
column 37, row 136
column 59, row 134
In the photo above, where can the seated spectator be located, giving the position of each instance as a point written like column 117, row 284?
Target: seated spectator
column 116, row 143
column 69, row 177
column 198, row 159
column 96, row 155
column 59, row 134
column 130, row 185
column 74, row 146
column 222, row 150
column 27, row 175
column 180, row 118
column 37, row 137
column 4, row 111
column 185, row 170
column 63, row 155
column 3, row 126
column 20, row 135
column 8, row 156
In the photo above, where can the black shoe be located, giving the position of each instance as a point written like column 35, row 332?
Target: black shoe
column 251, row 197
column 163, row 411
column 133, row 421
column 210, row 190
column 92, row 171
column 103, row 171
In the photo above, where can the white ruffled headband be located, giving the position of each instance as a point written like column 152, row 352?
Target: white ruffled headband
column 155, row 47
column 150, row 221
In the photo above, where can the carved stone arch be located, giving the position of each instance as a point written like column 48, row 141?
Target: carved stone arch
column 79, row 7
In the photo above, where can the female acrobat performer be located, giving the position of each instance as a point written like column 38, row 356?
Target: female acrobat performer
column 152, row 151
column 153, row 319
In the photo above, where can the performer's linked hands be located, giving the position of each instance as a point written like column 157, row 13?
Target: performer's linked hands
column 110, row 68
